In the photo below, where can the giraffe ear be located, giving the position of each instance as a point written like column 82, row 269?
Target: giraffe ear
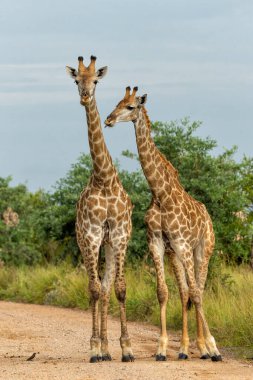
column 142, row 99
column 101, row 72
column 72, row 72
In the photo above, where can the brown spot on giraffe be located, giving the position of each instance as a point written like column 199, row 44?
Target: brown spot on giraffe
column 183, row 229
column 103, row 219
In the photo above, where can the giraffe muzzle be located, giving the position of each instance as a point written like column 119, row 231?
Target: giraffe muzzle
column 108, row 122
column 84, row 100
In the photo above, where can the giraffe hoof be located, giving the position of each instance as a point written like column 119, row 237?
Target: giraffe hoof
column 106, row 358
column 216, row 358
column 204, row 357
column 95, row 359
column 182, row 356
column 160, row 358
column 127, row 358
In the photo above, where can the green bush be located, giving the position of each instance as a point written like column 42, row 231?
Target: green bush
column 46, row 232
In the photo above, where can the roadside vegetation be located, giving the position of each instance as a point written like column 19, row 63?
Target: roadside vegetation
column 40, row 261
column 227, row 302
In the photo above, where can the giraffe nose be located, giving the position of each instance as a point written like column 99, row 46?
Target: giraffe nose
column 85, row 93
column 108, row 121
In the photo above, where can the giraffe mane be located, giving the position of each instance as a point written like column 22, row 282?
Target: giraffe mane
column 167, row 163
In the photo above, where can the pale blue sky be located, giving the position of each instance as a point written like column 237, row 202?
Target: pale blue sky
column 193, row 58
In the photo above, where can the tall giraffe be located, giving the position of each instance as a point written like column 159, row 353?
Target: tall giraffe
column 103, row 219
column 177, row 224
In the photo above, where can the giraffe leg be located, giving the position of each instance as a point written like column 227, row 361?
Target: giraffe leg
column 203, row 329
column 201, row 344
column 94, row 289
column 205, row 341
column 105, row 297
column 200, row 275
column 120, row 291
column 90, row 251
column 184, row 295
column 156, row 247
column 186, row 256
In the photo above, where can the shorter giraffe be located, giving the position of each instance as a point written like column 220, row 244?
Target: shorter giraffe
column 103, row 220
column 177, row 225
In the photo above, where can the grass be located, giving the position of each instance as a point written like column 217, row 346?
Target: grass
column 228, row 298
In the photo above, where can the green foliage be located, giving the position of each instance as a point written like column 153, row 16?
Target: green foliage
column 46, row 232
column 53, row 285
column 58, row 219
column 23, row 243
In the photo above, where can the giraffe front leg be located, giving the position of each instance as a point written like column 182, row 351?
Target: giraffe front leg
column 120, row 291
column 90, row 256
column 95, row 341
column 105, row 297
column 156, row 247
column 162, row 294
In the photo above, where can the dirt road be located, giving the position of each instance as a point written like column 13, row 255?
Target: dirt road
column 60, row 339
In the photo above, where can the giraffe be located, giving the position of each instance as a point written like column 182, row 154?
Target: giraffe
column 103, row 219
column 177, row 225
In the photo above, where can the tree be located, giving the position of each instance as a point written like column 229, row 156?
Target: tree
column 58, row 220
column 46, row 229
column 21, row 243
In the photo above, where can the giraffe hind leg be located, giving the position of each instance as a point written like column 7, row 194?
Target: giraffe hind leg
column 120, row 291
column 198, row 267
column 205, row 341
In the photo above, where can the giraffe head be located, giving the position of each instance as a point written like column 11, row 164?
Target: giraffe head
column 127, row 109
column 86, row 78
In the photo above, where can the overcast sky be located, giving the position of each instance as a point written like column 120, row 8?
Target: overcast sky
column 193, row 58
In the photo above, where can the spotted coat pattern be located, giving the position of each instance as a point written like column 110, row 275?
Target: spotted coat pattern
column 177, row 224
column 103, row 220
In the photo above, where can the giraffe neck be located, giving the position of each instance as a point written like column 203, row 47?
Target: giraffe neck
column 104, row 171
column 155, row 166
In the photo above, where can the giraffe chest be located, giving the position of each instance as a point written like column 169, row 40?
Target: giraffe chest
column 98, row 206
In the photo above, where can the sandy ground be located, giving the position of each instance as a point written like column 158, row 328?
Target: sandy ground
column 60, row 339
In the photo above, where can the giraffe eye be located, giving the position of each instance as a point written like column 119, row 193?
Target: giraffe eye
column 130, row 108
column 95, row 82
column 76, row 82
